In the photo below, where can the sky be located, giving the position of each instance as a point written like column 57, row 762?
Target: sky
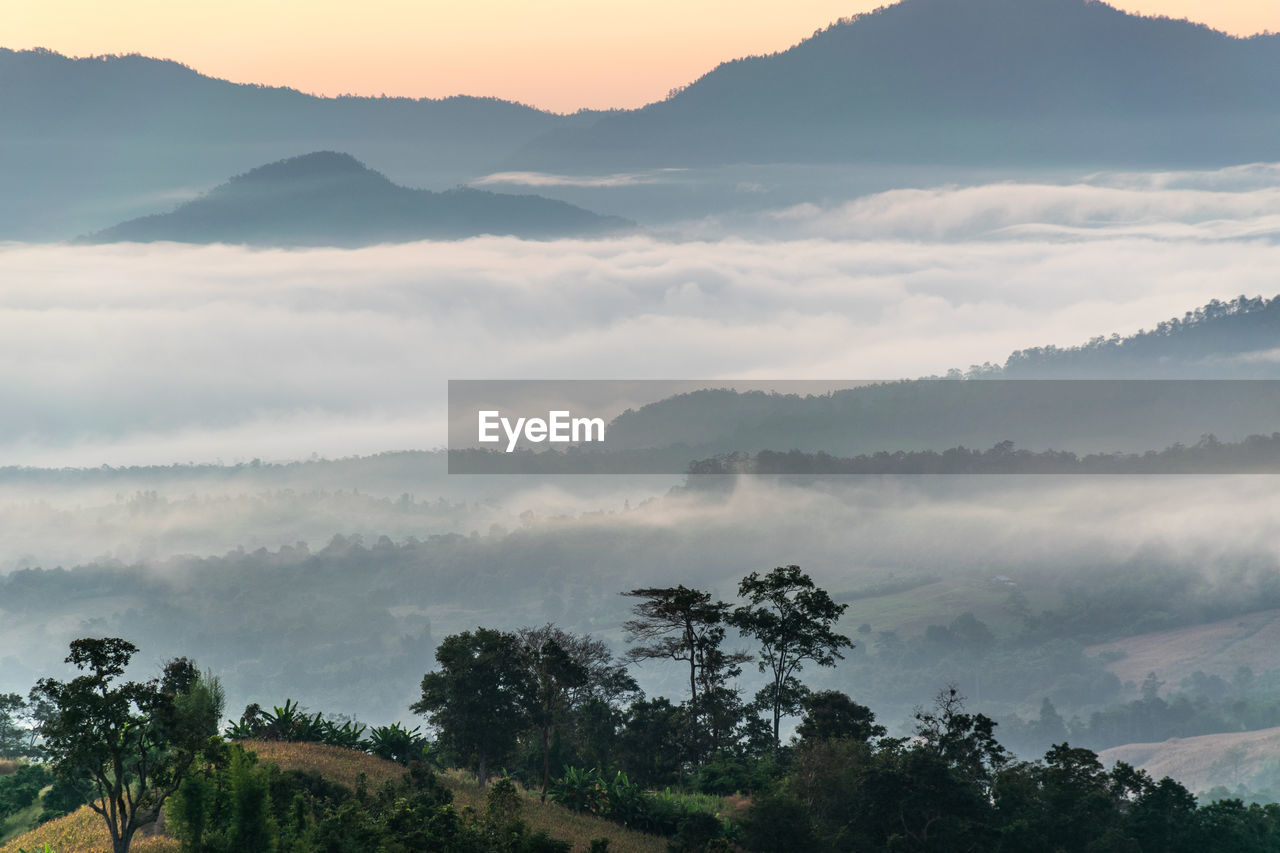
column 556, row 54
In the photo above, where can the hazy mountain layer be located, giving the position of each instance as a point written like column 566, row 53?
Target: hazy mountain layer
column 1013, row 84
column 984, row 81
column 330, row 199
column 86, row 142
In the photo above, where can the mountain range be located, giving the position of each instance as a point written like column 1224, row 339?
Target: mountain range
column 1136, row 393
column 1009, row 83
column 331, row 199
column 1032, row 82
column 89, row 142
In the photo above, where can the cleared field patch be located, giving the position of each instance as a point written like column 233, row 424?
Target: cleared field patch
column 1202, row 762
column 1216, row 648
column 911, row 610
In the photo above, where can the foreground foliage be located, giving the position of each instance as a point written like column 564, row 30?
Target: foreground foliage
column 125, row 746
column 81, row 832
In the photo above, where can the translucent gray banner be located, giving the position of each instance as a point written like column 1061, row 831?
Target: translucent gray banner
column 842, row 427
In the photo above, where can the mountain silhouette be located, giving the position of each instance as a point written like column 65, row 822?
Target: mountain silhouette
column 952, row 83
column 91, row 141
column 1036, row 82
column 1112, row 404
column 331, row 199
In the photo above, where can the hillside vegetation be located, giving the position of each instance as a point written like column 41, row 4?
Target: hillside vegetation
column 84, row 832
column 81, row 832
column 345, row 767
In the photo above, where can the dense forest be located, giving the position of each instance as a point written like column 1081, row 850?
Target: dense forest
column 560, row 714
column 348, row 619
column 1256, row 454
column 1210, row 335
column 557, row 712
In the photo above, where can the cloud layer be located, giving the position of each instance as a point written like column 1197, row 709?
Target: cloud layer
column 155, row 354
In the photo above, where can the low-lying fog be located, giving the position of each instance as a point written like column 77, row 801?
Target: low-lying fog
column 294, row 614
column 134, row 355
column 156, row 354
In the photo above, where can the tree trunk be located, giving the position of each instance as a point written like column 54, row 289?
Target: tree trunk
column 546, row 759
column 482, row 774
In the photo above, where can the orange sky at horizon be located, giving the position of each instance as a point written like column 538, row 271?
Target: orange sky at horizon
column 560, row 55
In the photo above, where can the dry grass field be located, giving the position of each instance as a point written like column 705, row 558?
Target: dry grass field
column 82, row 832
column 344, row 766
column 1201, row 762
column 1216, row 648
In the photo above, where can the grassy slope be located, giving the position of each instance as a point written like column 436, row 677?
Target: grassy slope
column 1204, row 761
column 81, row 832
column 85, row 832
column 344, row 766
column 17, row 824
column 938, row 602
column 1216, row 648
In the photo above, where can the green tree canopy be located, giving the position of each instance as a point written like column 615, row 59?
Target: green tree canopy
column 125, row 745
column 792, row 619
column 674, row 623
column 15, row 738
column 482, row 697
column 555, row 672
column 830, row 714
column 682, row 624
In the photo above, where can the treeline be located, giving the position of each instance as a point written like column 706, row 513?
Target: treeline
column 542, row 698
column 326, row 613
column 317, row 471
column 233, row 804
column 1203, row 704
column 1239, row 325
column 1256, row 454
column 1040, row 659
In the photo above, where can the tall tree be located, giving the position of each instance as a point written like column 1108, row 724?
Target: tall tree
column 124, row 745
column 555, row 672
column 481, row 697
column 685, row 625
column 674, row 623
column 792, row 619
column 14, row 737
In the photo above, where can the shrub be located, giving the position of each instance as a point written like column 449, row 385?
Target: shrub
column 777, row 823
column 700, row 832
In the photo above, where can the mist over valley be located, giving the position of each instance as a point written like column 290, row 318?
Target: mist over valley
column 229, row 315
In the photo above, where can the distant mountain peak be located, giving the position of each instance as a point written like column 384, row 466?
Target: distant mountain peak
column 328, row 198
column 973, row 82
column 307, row 167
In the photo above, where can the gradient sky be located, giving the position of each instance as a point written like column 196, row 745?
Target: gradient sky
column 555, row 54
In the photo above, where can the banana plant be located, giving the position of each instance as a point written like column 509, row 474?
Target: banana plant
column 349, row 734
column 580, row 790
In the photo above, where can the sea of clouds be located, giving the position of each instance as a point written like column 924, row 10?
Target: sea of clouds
column 162, row 353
